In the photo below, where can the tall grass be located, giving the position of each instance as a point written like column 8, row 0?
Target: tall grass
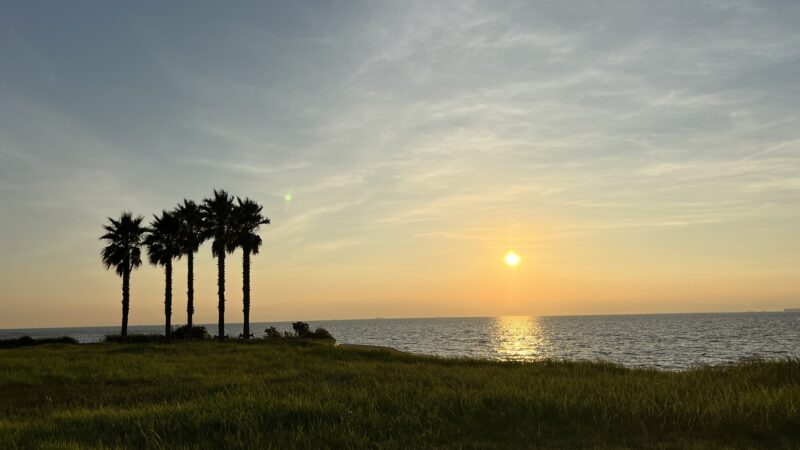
column 274, row 395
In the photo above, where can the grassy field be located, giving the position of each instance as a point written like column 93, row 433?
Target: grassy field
column 276, row 395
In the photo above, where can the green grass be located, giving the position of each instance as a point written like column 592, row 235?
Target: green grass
column 197, row 395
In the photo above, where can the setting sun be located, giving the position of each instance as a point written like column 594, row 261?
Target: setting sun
column 512, row 259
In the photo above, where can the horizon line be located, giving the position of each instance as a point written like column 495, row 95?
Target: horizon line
column 784, row 310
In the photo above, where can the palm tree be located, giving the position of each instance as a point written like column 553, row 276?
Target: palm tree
column 191, row 236
column 163, row 245
column 247, row 218
column 123, row 252
column 216, row 213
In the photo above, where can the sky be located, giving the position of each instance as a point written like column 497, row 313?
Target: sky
column 639, row 156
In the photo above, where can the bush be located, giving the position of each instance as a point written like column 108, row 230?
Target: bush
column 321, row 333
column 24, row 341
column 195, row 333
column 272, row 333
column 27, row 341
column 301, row 329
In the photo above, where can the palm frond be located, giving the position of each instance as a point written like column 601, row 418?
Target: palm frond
column 163, row 238
column 215, row 213
column 123, row 238
column 247, row 219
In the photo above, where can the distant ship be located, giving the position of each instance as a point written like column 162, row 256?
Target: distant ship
column 791, row 310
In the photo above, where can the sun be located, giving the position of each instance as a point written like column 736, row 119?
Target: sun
column 512, row 258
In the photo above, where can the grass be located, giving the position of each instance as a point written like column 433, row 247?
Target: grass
column 198, row 395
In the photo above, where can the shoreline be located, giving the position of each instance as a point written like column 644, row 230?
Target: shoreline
column 368, row 347
column 663, row 342
column 294, row 342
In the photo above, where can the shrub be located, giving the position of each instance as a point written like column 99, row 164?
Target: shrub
column 27, row 341
column 321, row 333
column 301, row 329
column 195, row 333
column 23, row 341
column 272, row 333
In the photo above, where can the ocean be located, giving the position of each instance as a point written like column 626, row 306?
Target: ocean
column 663, row 341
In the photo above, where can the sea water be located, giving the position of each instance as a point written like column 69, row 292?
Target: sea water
column 665, row 341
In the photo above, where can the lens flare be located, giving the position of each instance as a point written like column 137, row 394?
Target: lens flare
column 287, row 198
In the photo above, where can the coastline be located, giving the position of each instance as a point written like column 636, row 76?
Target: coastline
column 367, row 347
column 669, row 342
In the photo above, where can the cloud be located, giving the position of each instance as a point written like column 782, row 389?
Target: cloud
column 399, row 121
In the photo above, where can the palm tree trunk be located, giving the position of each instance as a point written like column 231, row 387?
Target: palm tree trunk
column 126, row 301
column 221, row 292
column 168, row 300
column 246, row 292
column 190, row 292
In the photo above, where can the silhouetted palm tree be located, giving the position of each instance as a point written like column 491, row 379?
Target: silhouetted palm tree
column 123, row 252
column 247, row 218
column 216, row 213
column 163, row 245
column 191, row 236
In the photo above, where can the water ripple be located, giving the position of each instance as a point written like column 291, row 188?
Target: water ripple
column 669, row 341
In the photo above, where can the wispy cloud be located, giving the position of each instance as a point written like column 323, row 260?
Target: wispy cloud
column 396, row 121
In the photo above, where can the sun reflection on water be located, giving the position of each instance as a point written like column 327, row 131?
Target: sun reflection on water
column 519, row 338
